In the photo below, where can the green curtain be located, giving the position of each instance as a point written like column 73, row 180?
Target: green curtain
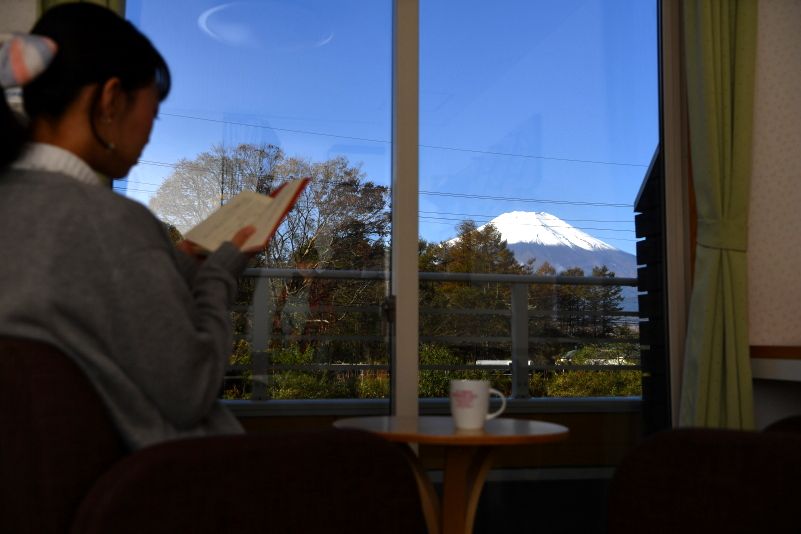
column 720, row 43
column 114, row 5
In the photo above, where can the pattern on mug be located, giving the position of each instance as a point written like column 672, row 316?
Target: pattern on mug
column 464, row 398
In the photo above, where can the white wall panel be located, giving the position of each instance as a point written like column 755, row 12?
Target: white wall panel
column 774, row 249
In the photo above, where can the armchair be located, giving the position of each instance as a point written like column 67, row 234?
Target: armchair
column 708, row 480
column 65, row 469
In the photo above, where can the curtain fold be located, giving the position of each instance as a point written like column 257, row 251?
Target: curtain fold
column 720, row 45
column 115, row 5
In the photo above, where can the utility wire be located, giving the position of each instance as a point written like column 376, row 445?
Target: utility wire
column 384, row 141
column 429, row 218
column 493, row 216
column 521, row 199
column 441, row 220
column 474, row 196
column 610, row 238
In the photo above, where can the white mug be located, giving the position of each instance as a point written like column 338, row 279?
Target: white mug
column 470, row 403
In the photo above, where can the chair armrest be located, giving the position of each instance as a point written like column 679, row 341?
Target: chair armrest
column 320, row 481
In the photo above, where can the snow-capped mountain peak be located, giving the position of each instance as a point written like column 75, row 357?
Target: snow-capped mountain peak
column 543, row 228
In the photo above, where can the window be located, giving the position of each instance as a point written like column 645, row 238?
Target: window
column 538, row 121
column 540, row 118
column 265, row 91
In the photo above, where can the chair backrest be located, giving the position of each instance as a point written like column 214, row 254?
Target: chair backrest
column 786, row 424
column 707, row 480
column 56, row 438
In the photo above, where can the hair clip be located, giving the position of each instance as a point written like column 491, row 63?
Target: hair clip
column 23, row 57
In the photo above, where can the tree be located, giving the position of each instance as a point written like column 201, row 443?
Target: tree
column 474, row 250
column 480, row 250
column 571, row 301
column 604, row 304
column 544, row 306
column 341, row 221
column 188, row 196
column 542, row 301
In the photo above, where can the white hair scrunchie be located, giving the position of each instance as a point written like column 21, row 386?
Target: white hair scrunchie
column 23, row 57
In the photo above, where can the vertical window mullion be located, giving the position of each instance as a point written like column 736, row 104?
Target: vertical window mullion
column 405, row 186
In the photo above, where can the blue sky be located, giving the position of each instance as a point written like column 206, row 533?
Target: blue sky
column 522, row 101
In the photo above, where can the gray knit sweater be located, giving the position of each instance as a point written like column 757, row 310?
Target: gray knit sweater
column 95, row 275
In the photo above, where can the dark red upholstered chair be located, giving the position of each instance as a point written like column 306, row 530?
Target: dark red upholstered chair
column 786, row 424
column 64, row 469
column 706, row 480
column 55, row 438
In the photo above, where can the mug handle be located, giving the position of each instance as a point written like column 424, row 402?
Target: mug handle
column 493, row 415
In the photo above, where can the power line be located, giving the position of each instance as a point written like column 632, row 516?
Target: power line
column 435, row 220
column 431, row 217
column 125, row 189
column 529, row 156
column 157, row 163
column 290, row 130
column 604, row 237
column 521, row 199
column 493, row 216
column 384, row 141
column 466, row 195
column 428, row 218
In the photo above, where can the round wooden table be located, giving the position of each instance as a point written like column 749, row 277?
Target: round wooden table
column 468, row 457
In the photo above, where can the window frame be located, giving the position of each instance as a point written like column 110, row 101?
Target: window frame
column 404, row 283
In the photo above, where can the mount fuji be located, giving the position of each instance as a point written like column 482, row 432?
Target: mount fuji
column 545, row 237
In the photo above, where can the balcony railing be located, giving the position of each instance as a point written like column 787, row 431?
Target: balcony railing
column 514, row 354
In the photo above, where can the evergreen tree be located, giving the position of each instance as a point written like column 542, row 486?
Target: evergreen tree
column 571, row 301
column 474, row 250
column 603, row 304
column 543, row 302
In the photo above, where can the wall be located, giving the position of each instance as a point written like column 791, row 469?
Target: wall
column 774, row 253
column 17, row 15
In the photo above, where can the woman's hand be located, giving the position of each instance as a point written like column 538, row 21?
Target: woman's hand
column 242, row 236
column 239, row 240
column 191, row 249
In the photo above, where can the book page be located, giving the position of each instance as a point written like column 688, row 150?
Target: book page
column 247, row 208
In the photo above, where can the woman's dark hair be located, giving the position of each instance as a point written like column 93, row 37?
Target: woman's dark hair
column 94, row 45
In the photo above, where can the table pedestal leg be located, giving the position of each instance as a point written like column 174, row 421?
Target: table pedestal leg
column 465, row 470
column 428, row 495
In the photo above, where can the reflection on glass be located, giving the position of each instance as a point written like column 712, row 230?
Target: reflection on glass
column 265, row 91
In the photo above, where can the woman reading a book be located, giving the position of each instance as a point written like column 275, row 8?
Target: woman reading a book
column 87, row 270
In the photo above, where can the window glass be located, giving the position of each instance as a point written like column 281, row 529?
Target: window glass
column 264, row 91
column 538, row 121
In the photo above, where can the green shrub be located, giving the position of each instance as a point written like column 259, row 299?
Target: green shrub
column 373, row 385
column 292, row 355
column 601, row 383
column 623, row 383
column 538, row 384
column 238, row 383
column 309, row 385
column 300, row 384
column 436, row 382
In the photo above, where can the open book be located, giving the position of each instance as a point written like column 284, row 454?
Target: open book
column 265, row 212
